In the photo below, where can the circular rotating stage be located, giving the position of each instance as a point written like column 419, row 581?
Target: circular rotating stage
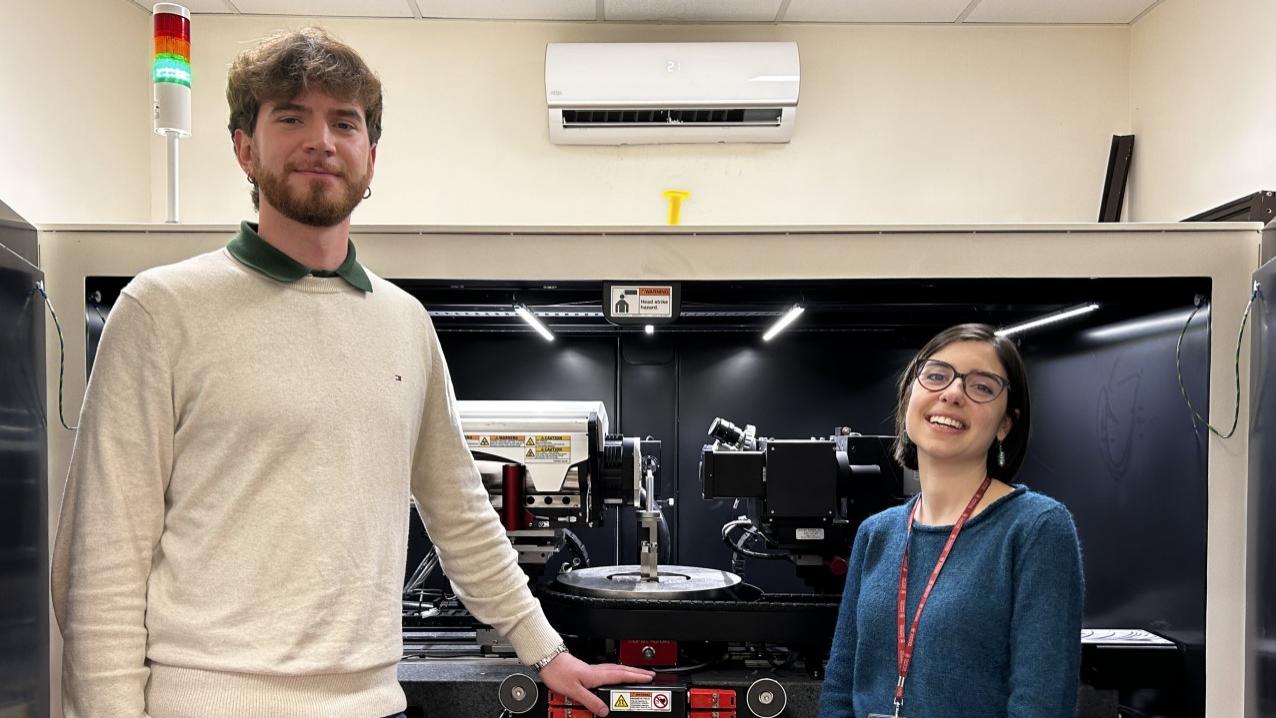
column 674, row 582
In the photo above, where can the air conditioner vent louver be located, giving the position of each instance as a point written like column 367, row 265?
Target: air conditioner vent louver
column 671, row 93
column 646, row 117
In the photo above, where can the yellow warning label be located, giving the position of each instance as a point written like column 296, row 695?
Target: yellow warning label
column 642, row 701
column 550, row 448
column 533, row 448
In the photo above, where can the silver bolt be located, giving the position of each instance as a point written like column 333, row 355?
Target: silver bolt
column 518, row 692
column 765, row 698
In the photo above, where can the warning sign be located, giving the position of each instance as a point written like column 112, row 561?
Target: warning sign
column 496, row 441
column 534, row 448
column 641, row 701
column 549, row 448
column 654, row 302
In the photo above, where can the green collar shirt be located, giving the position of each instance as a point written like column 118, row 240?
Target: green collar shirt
column 256, row 253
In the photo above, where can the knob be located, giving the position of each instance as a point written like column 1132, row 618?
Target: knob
column 766, row 698
column 518, row 693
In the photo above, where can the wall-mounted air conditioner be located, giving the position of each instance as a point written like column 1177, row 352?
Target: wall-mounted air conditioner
column 662, row 93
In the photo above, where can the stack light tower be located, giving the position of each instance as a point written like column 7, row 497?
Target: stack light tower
column 171, row 80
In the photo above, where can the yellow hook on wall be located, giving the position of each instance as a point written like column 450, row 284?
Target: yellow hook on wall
column 675, row 197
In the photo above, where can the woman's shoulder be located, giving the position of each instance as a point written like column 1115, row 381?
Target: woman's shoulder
column 1044, row 517
column 889, row 519
column 1035, row 504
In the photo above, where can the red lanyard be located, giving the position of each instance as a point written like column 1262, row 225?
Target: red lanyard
column 905, row 648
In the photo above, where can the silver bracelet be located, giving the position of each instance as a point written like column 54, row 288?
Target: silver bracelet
column 558, row 650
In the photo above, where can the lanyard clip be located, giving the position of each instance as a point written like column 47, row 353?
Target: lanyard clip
column 899, row 695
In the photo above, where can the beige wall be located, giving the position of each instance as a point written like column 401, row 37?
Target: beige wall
column 1202, row 106
column 897, row 124
column 76, row 111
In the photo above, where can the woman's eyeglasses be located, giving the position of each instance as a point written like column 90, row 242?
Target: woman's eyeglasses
column 981, row 386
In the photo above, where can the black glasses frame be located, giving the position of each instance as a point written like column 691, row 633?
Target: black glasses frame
column 1001, row 381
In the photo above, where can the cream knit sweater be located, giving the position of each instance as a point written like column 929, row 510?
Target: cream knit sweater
column 234, row 528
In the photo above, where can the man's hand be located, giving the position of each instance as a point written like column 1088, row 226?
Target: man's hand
column 572, row 677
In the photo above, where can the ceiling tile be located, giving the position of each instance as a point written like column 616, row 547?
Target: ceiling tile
column 510, row 9
column 325, row 8
column 699, row 11
column 874, row 10
column 205, row 7
column 1059, row 11
column 197, row 7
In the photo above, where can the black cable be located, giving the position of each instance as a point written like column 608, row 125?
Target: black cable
column 665, row 538
column 1178, row 366
column 683, row 669
column 577, row 546
column 61, row 355
column 738, row 547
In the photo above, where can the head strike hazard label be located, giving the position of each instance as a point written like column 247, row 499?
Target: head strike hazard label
column 642, row 701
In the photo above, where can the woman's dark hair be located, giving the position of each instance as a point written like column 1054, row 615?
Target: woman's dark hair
column 1017, row 402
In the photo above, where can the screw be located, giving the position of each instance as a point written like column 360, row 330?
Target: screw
column 765, row 698
column 518, row 693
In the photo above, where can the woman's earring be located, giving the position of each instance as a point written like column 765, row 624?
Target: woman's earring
column 368, row 192
column 1001, row 454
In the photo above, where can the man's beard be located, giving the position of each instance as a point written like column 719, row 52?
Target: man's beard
column 313, row 207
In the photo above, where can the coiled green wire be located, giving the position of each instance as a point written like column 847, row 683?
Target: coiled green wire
column 1178, row 365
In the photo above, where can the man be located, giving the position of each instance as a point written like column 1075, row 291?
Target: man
column 233, row 532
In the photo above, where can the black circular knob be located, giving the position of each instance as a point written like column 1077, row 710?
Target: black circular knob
column 518, row 693
column 766, row 698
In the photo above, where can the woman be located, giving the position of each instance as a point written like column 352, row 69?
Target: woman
column 998, row 631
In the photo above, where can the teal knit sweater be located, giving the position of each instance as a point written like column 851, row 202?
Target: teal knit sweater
column 1000, row 634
